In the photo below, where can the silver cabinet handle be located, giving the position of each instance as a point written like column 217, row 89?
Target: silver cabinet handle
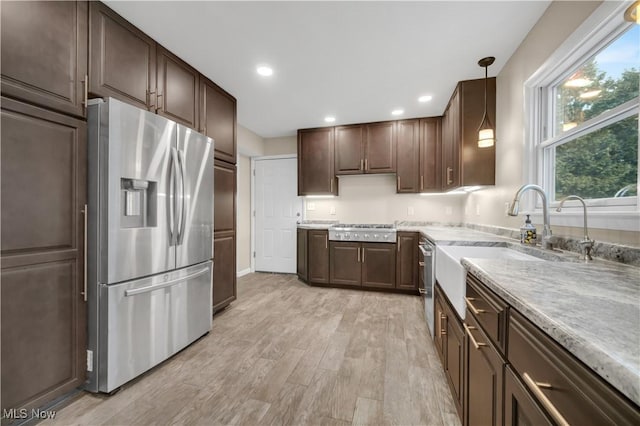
column 362, row 254
column 476, row 344
column 361, row 164
column 421, row 263
column 85, row 83
column 85, row 213
column 421, row 182
column 366, row 166
column 358, row 254
column 326, row 241
column 398, row 185
column 331, row 185
column 149, row 288
column 534, row 387
column 475, row 310
column 449, row 174
column 422, row 291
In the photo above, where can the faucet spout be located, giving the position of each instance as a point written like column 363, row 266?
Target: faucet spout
column 515, row 206
column 586, row 243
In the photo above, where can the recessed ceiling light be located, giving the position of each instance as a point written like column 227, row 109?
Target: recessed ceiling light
column 265, row 70
column 425, row 98
column 397, row 112
column 329, row 119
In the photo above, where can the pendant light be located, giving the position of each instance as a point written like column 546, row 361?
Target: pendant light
column 486, row 132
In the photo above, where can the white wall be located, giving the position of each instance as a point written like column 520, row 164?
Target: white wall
column 281, row 146
column 373, row 199
column 557, row 23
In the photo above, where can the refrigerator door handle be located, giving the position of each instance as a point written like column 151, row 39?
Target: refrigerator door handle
column 182, row 221
column 173, row 196
column 149, row 288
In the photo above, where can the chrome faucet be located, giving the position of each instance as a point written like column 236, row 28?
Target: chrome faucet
column 547, row 242
column 587, row 243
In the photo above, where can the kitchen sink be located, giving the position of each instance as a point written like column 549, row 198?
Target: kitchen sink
column 451, row 275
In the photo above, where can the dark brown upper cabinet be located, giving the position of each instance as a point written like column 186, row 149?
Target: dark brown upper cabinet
column 44, row 53
column 122, row 59
column 463, row 163
column 178, row 92
column 316, row 161
column 366, row 148
column 349, row 149
column 218, row 119
column 380, row 147
column 408, row 156
column 431, row 154
column 419, row 157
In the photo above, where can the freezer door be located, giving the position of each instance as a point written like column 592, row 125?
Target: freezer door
column 136, row 191
column 195, row 206
column 146, row 321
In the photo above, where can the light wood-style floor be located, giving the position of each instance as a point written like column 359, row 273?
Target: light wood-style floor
column 285, row 353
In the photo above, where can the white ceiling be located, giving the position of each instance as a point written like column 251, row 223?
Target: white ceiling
column 354, row 60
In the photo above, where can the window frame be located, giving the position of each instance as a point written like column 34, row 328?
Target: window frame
column 604, row 25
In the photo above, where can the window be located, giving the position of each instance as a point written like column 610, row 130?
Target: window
column 583, row 110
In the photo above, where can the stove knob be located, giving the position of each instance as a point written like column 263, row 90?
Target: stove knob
column 355, row 235
column 386, row 237
column 366, row 236
column 375, row 236
column 346, row 235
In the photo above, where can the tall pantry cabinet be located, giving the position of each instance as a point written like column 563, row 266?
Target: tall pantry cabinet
column 55, row 56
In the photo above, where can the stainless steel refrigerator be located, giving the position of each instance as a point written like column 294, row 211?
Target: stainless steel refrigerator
column 150, row 241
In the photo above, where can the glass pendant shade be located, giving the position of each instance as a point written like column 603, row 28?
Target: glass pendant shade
column 486, row 137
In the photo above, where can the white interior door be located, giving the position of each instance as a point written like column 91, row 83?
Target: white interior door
column 277, row 210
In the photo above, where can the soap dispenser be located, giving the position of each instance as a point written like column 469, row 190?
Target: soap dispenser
column 528, row 233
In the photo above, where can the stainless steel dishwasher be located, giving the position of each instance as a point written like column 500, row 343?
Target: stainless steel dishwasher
column 427, row 278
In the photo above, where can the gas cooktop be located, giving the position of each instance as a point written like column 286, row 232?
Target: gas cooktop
column 369, row 232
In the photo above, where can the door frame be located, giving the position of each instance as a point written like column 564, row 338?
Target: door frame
column 253, row 200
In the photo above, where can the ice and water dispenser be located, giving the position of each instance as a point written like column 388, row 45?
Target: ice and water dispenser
column 138, row 206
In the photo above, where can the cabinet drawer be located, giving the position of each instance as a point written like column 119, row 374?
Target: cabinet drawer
column 489, row 310
column 576, row 392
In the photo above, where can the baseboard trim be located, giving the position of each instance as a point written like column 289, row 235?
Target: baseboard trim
column 243, row 272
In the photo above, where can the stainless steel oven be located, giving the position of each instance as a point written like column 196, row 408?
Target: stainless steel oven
column 427, row 264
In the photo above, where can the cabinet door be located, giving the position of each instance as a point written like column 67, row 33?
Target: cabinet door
column 224, row 199
column 43, row 312
column 218, row 119
column 122, row 60
column 349, row 150
column 407, row 261
column 178, row 89
column 379, row 265
column 344, row 263
column 315, row 162
column 301, row 254
column 380, row 147
column 408, row 156
column 430, row 155
column 44, row 53
column 440, row 331
column 483, row 377
column 455, row 358
column 319, row 256
column 224, row 271
column 451, row 144
column 520, row 409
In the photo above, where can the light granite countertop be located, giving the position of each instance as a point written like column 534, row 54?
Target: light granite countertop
column 456, row 235
column 592, row 310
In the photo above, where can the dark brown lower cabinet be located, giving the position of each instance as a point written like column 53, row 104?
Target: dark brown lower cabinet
column 43, row 313
column 407, row 260
column 449, row 342
column 520, row 409
column 362, row 264
column 378, row 265
column 224, row 271
column 344, row 263
column 483, row 377
column 318, row 256
column 301, row 254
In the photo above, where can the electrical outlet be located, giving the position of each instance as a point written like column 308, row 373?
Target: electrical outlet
column 311, row 206
column 410, row 211
column 332, row 210
column 448, row 210
column 477, row 209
